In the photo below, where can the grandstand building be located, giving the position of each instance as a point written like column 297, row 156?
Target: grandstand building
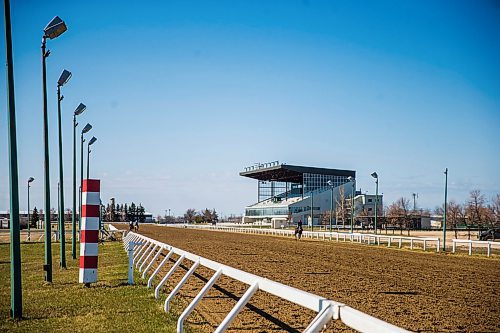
column 290, row 193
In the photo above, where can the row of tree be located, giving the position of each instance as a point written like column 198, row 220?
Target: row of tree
column 476, row 212
column 203, row 216
column 124, row 212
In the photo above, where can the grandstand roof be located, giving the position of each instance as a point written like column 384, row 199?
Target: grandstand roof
column 290, row 173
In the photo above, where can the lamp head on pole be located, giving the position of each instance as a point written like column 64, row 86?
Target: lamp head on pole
column 330, row 183
column 374, row 175
column 30, row 179
column 55, row 28
column 87, row 128
column 64, row 78
column 91, row 142
column 350, row 178
column 79, row 109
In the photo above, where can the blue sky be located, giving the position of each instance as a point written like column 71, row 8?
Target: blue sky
column 184, row 94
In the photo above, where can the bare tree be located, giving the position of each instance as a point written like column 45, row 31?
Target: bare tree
column 495, row 210
column 455, row 216
column 190, row 215
column 341, row 209
column 399, row 214
column 476, row 210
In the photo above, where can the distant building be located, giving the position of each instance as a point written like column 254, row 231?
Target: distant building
column 285, row 192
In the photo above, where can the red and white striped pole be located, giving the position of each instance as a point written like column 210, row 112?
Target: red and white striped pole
column 90, row 230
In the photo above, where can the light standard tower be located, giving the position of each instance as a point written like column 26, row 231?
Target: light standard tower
column 352, row 180
column 374, row 175
column 81, row 107
column 87, row 128
column 63, row 79
column 31, row 179
column 16, row 290
column 54, row 29
column 91, row 142
column 445, row 207
column 330, row 183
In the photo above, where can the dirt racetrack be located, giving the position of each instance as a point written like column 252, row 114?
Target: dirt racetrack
column 424, row 292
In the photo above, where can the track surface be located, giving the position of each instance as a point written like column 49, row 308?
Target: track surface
column 425, row 292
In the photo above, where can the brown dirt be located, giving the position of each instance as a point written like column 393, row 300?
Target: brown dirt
column 419, row 291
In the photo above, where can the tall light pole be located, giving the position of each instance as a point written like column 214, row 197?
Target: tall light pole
column 31, row 179
column 352, row 180
column 312, row 211
column 330, row 183
column 91, row 142
column 79, row 110
column 63, row 79
column 54, row 29
column 87, row 128
column 16, row 292
column 445, row 206
column 374, row 175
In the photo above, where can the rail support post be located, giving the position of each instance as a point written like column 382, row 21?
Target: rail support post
column 130, row 249
column 237, row 308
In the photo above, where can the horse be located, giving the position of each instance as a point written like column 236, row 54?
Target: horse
column 298, row 232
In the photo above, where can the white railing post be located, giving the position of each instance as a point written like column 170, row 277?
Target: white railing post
column 131, row 247
column 174, row 292
column 143, row 255
column 152, row 262
column 157, row 270
column 489, row 249
column 165, row 278
column 155, row 247
column 237, row 308
column 454, row 246
column 195, row 301
column 470, row 248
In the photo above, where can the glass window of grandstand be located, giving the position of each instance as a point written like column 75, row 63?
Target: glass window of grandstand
column 313, row 182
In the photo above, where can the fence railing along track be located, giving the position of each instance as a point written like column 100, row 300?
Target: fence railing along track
column 400, row 241
column 470, row 244
column 327, row 310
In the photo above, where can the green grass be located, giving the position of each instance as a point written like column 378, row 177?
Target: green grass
column 109, row 305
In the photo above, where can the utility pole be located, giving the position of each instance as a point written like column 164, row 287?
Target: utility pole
column 445, row 207
column 16, row 292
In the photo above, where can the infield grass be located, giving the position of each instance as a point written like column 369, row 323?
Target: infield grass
column 109, row 305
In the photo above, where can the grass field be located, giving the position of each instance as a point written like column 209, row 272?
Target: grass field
column 66, row 306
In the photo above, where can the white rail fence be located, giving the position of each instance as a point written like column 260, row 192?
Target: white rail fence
column 150, row 250
column 400, row 241
column 489, row 245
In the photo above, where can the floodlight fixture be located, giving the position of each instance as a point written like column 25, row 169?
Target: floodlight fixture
column 87, row 128
column 350, row 178
column 65, row 76
column 374, row 175
column 91, row 142
column 330, row 183
column 30, row 179
column 55, row 28
column 79, row 109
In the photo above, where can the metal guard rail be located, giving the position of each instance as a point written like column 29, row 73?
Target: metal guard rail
column 326, row 310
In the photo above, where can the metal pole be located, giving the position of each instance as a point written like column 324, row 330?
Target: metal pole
column 16, row 293
column 73, row 217
column 331, row 207
column 48, row 231
column 352, row 207
column 62, row 248
column 81, row 181
column 312, row 212
column 376, row 204
column 29, row 229
column 88, row 158
column 445, row 207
